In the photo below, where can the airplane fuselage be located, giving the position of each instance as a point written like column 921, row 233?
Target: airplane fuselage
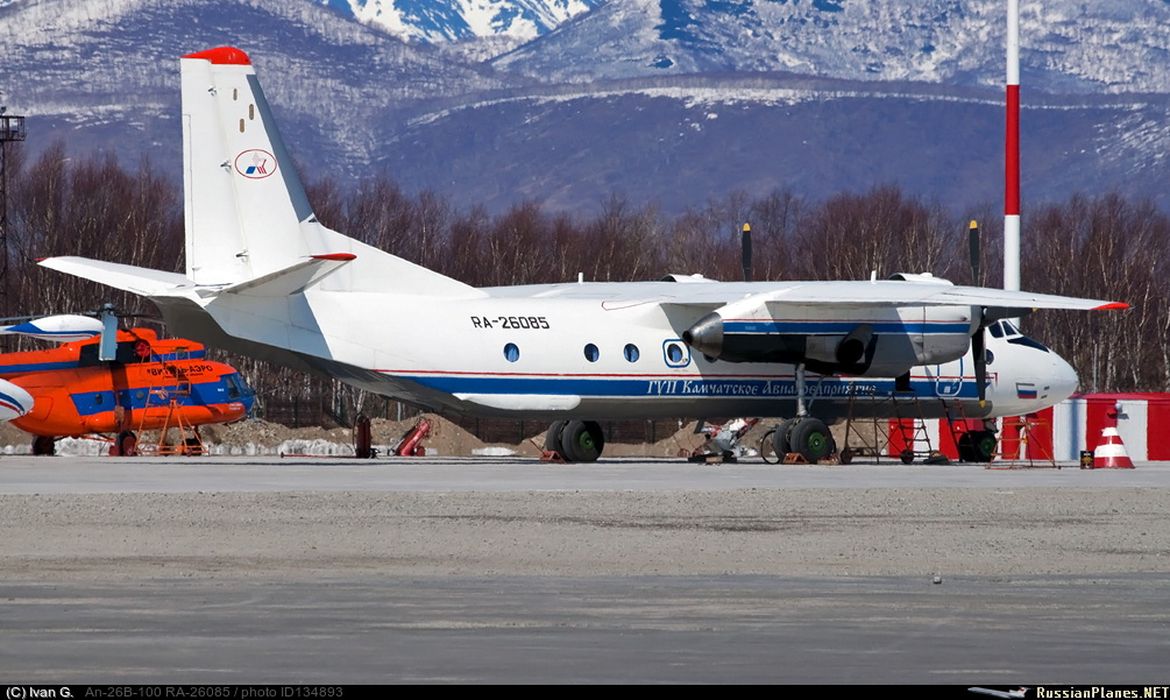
column 555, row 351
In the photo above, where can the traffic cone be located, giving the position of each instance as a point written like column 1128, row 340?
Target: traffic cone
column 1110, row 453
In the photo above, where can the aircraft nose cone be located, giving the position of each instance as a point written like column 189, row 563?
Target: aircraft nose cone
column 1063, row 380
column 706, row 335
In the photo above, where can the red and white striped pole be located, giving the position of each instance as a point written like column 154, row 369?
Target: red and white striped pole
column 1011, row 195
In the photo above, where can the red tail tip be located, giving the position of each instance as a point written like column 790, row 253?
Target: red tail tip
column 1113, row 305
column 339, row 257
column 223, row 55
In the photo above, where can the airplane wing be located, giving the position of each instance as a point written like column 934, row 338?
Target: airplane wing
column 880, row 293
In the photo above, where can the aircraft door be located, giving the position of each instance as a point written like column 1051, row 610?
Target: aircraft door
column 947, row 382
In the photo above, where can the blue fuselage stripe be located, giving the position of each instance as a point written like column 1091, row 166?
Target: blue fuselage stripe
column 205, row 393
column 623, row 387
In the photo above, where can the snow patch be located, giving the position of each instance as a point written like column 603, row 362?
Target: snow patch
column 493, row 451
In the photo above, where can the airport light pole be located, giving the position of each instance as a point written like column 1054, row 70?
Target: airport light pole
column 11, row 131
column 1011, row 196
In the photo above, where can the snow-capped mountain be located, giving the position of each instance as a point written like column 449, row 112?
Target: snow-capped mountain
column 104, row 73
column 1066, row 45
column 670, row 101
column 437, row 21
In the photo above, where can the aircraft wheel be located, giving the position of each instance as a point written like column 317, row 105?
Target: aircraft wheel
column 977, row 446
column 985, row 444
column 128, row 444
column 781, row 438
column 44, row 445
column 846, row 456
column 812, row 439
column 582, row 441
column 552, row 439
column 907, row 456
column 193, row 447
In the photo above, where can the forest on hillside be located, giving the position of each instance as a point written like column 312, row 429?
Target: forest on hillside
column 1102, row 245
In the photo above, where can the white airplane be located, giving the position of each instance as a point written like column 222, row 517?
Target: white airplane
column 265, row 278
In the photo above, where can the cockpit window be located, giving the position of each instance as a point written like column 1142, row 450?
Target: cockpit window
column 996, row 329
column 1010, row 329
column 1027, row 342
column 236, row 386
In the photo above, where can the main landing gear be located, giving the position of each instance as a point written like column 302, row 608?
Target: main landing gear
column 808, row 437
column 977, row 445
column 44, row 445
column 125, row 445
column 804, row 435
column 575, row 440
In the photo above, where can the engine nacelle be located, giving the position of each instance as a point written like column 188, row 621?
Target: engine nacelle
column 863, row 341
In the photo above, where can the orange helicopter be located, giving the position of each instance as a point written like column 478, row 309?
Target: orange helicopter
column 138, row 382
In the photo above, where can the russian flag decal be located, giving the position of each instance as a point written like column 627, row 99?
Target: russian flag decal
column 1025, row 390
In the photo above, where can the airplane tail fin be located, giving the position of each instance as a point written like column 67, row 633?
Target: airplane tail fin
column 247, row 214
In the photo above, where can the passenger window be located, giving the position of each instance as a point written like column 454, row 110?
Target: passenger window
column 631, row 352
column 511, row 352
column 676, row 353
column 591, row 352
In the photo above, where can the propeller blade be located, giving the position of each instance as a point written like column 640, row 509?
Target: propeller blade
column 973, row 251
column 747, row 252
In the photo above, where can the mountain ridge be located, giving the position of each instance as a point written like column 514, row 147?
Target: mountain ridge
column 546, row 122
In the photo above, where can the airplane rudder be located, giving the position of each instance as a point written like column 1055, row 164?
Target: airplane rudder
column 246, row 201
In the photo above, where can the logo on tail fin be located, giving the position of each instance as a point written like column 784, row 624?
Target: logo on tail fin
column 255, row 163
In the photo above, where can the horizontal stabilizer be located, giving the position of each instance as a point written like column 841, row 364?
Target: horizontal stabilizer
column 293, row 279
column 137, row 280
